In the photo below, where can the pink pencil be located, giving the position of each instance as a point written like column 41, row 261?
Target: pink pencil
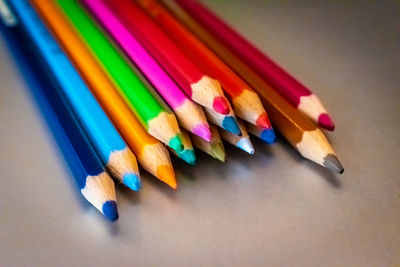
column 285, row 84
column 190, row 115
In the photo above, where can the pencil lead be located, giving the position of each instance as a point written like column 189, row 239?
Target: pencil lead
column 203, row 131
column 220, row 105
column 230, row 124
column 188, row 156
column 268, row 136
column 325, row 121
column 263, row 121
column 132, row 181
column 218, row 151
column 110, row 210
column 176, row 143
column 167, row 175
column 332, row 163
column 245, row 145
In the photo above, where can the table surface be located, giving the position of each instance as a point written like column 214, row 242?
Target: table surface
column 273, row 208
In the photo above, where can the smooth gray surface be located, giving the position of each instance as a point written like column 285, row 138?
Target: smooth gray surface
column 270, row 209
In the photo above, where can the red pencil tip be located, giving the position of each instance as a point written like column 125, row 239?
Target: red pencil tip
column 326, row 122
column 221, row 105
column 263, row 121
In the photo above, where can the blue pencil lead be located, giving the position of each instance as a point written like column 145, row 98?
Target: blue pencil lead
column 132, row 181
column 110, row 210
column 268, row 135
column 230, row 124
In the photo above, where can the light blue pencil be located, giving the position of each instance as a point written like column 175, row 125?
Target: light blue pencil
column 112, row 150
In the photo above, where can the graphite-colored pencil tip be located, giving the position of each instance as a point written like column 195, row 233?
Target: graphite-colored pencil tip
column 110, row 210
column 230, row 124
column 268, row 136
column 176, row 143
column 325, row 121
column 332, row 163
column 188, row 156
column 167, row 175
column 263, row 121
column 245, row 145
column 221, row 105
column 203, row 131
column 132, row 181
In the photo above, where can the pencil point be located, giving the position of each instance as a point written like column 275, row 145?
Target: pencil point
column 176, row 143
column 167, row 175
column 203, row 131
column 263, row 121
column 332, row 163
column 110, row 210
column 325, row 121
column 245, row 145
column 218, row 151
column 132, row 181
column 220, row 105
column 188, row 156
column 230, row 124
column 268, row 136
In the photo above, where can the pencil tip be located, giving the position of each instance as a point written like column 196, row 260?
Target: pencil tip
column 263, row 121
column 220, row 105
column 110, row 210
column 245, row 145
column 230, row 124
column 203, row 131
column 325, row 121
column 176, row 143
column 268, row 136
column 188, row 156
column 218, row 151
column 332, row 163
column 132, row 181
column 167, row 175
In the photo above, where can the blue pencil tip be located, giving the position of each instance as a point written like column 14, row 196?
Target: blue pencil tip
column 245, row 145
column 268, row 135
column 230, row 124
column 132, row 181
column 110, row 210
column 188, row 156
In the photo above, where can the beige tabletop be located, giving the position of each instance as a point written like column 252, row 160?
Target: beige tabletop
column 270, row 209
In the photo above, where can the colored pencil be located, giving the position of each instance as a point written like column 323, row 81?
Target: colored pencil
column 94, row 183
column 266, row 135
column 246, row 102
column 201, row 88
column 243, row 142
column 214, row 147
column 190, row 116
column 300, row 132
column 119, row 160
column 280, row 80
column 228, row 123
column 187, row 153
column 158, row 121
column 152, row 155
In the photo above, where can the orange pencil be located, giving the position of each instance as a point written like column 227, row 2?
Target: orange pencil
column 151, row 154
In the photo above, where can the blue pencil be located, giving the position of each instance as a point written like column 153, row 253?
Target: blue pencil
column 95, row 184
column 111, row 148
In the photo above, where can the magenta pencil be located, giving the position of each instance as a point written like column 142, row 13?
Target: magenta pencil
column 190, row 115
column 284, row 83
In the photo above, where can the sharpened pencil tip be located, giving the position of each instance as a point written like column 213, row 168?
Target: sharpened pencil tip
column 332, row 163
column 110, row 210
column 220, row 105
column 203, row 131
column 263, row 121
column 218, row 151
column 167, row 175
column 268, row 136
column 188, row 156
column 325, row 121
column 132, row 181
column 245, row 145
column 230, row 124
column 176, row 143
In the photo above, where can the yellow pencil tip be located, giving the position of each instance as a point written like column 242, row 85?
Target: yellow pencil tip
column 167, row 175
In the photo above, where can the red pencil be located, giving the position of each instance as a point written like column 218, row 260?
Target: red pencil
column 246, row 102
column 285, row 84
column 201, row 88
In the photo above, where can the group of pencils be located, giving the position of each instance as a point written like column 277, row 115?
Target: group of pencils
column 124, row 81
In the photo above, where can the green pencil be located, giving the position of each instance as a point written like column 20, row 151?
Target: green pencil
column 158, row 120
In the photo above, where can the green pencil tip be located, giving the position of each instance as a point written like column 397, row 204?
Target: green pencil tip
column 218, row 151
column 176, row 143
column 188, row 156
